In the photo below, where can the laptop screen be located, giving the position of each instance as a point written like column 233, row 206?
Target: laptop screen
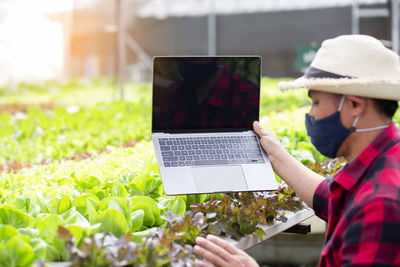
column 205, row 93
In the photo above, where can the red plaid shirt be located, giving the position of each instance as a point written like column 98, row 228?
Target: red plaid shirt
column 362, row 207
column 234, row 102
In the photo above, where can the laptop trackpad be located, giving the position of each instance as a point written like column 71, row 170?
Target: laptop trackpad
column 219, row 179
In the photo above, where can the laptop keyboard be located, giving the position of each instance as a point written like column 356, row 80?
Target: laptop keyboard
column 198, row 151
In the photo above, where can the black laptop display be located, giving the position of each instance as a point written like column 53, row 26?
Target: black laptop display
column 205, row 93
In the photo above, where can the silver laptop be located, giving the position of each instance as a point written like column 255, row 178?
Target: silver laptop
column 202, row 115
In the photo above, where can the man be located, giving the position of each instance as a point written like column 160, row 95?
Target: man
column 354, row 84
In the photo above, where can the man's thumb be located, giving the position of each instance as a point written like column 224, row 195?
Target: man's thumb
column 259, row 130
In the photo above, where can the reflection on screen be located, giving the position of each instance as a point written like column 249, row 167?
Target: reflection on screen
column 209, row 93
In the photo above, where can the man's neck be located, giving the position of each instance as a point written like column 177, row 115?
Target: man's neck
column 357, row 142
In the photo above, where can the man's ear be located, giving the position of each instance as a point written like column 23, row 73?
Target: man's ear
column 357, row 105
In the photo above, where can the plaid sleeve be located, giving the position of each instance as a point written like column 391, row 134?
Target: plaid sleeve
column 320, row 199
column 373, row 235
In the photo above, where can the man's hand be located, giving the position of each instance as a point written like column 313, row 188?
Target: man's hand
column 221, row 253
column 294, row 173
column 271, row 145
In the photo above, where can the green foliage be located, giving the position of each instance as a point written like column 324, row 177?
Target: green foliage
column 117, row 192
column 73, row 92
column 273, row 100
column 64, row 132
column 112, row 221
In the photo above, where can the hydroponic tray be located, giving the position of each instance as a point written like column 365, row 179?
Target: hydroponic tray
column 293, row 218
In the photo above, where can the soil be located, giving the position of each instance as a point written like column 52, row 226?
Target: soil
column 19, row 107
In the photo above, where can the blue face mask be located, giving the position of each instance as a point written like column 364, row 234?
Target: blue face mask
column 327, row 134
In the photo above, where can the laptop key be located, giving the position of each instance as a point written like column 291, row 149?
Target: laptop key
column 167, row 153
column 170, row 158
column 165, row 148
column 174, row 164
column 182, row 158
column 181, row 163
column 167, row 164
column 247, row 160
column 162, row 143
column 189, row 163
column 210, row 162
column 210, row 157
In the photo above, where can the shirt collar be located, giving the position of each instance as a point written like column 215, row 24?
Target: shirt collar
column 220, row 89
column 349, row 175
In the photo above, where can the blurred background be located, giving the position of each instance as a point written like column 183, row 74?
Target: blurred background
column 61, row 39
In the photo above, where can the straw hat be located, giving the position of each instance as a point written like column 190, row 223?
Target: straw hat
column 352, row 65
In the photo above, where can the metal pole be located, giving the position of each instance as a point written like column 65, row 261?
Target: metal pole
column 395, row 25
column 355, row 20
column 212, row 29
column 136, row 48
column 121, row 49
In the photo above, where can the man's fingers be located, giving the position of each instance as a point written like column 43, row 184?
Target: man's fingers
column 224, row 244
column 202, row 264
column 215, row 250
column 259, row 130
column 209, row 255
